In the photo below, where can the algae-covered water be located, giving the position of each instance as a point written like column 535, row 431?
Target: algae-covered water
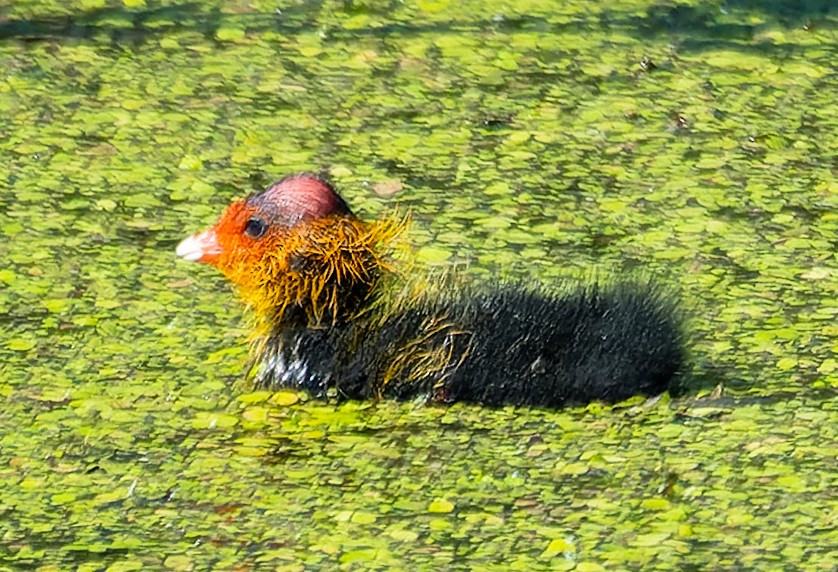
column 692, row 141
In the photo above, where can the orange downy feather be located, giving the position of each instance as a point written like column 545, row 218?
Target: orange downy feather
column 312, row 274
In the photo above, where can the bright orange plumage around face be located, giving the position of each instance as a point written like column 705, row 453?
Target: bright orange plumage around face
column 298, row 255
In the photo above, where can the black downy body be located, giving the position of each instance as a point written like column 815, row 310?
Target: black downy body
column 494, row 346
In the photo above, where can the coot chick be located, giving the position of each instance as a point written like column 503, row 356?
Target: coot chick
column 320, row 283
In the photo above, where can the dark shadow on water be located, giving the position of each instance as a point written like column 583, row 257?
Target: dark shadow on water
column 137, row 26
column 705, row 18
column 711, row 23
column 791, row 9
column 84, row 25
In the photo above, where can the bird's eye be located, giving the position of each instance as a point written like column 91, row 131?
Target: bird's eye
column 255, row 228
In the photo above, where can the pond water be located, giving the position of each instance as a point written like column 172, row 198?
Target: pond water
column 692, row 141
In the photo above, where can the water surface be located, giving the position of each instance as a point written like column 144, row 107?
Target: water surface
column 692, row 141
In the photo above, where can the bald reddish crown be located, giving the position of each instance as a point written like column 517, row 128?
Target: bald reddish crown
column 299, row 198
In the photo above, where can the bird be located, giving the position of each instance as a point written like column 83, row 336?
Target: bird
column 335, row 318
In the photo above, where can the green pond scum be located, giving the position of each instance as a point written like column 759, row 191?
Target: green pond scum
column 693, row 141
